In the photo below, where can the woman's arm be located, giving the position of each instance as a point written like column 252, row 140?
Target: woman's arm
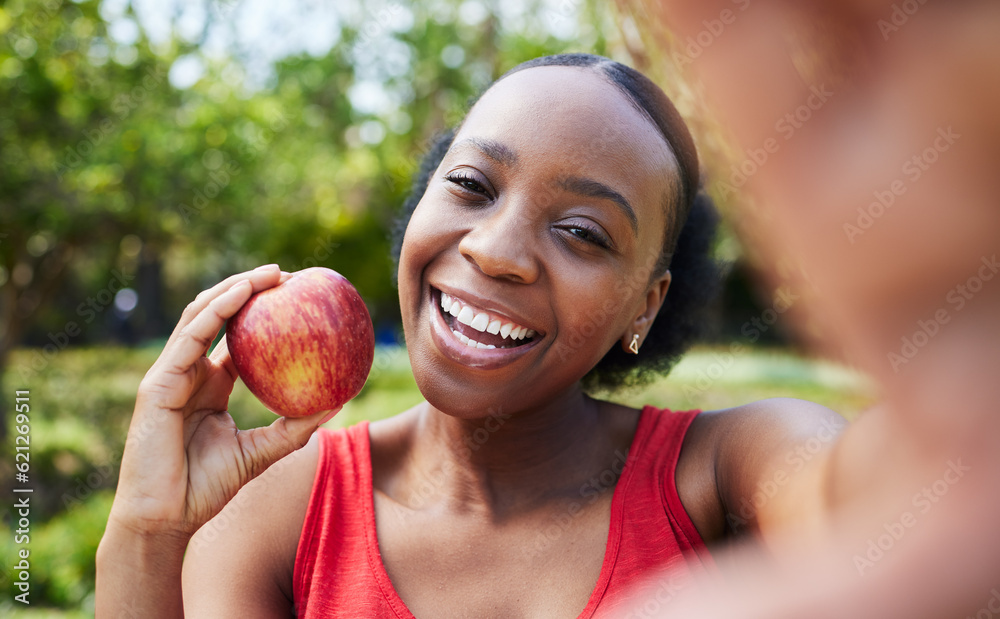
column 184, row 457
column 138, row 571
column 771, row 464
column 241, row 563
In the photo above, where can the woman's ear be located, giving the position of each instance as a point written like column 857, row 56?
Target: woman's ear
column 647, row 311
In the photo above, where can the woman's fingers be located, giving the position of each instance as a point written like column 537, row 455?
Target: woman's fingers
column 261, row 278
column 213, row 393
column 221, row 358
column 181, row 369
column 194, row 339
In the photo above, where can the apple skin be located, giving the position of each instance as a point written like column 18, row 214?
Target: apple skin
column 304, row 346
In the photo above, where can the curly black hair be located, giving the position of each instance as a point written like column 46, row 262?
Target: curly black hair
column 688, row 237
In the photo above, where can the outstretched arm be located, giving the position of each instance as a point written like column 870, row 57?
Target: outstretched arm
column 907, row 501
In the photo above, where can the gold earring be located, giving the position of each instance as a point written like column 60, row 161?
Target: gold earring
column 634, row 346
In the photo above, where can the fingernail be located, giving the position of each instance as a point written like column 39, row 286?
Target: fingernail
column 328, row 417
column 265, row 267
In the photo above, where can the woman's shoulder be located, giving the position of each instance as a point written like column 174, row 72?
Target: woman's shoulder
column 758, row 430
column 725, row 450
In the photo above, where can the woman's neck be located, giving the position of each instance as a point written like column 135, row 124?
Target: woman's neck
column 509, row 461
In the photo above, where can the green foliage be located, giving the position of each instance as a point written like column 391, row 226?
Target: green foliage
column 62, row 553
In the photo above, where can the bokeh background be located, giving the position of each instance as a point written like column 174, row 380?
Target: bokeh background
column 150, row 149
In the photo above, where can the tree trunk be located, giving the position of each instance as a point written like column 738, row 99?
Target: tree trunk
column 149, row 285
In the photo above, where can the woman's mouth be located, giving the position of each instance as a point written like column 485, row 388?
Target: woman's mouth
column 478, row 328
column 475, row 336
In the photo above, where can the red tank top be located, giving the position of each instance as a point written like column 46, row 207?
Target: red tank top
column 339, row 571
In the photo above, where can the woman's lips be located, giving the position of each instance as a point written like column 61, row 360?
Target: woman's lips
column 495, row 340
column 479, row 328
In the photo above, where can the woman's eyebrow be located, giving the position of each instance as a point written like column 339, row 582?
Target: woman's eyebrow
column 497, row 151
column 596, row 189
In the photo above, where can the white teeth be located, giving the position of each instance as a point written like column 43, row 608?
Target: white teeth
column 466, row 315
column 480, row 322
column 471, row 343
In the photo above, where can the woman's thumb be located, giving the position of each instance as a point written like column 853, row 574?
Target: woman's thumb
column 282, row 437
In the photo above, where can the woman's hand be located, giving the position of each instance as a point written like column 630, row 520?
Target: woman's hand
column 184, row 458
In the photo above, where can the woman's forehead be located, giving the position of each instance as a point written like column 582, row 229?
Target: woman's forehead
column 565, row 102
column 575, row 121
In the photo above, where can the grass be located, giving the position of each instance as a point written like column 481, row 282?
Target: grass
column 82, row 399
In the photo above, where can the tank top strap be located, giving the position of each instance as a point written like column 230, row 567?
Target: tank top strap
column 661, row 436
column 333, row 551
column 659, row 551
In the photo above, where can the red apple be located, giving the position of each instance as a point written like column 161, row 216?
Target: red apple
column 304, row 346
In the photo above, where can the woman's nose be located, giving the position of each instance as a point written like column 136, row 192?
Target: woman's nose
column 500, row 244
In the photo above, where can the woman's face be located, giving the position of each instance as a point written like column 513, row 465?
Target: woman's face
column 544, row 220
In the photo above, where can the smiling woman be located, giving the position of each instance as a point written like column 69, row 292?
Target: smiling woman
column 686, row 237
column 554, row 240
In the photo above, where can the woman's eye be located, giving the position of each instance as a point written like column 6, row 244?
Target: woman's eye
column 467, row 183
column 471, row 185
column 589, row 235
